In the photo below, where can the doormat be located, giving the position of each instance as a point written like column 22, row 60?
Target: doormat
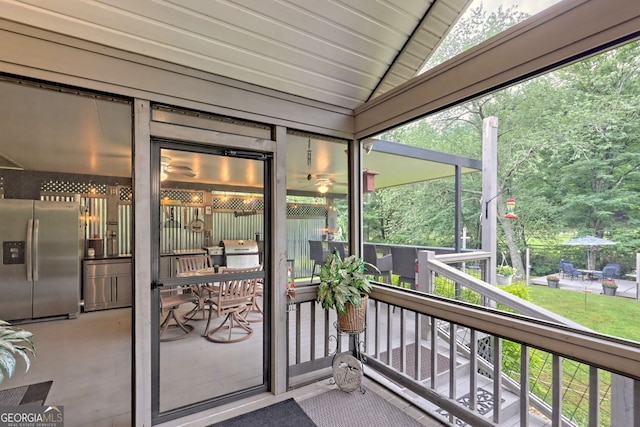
column 336, row 408
column 33, row 395
column 283, row 414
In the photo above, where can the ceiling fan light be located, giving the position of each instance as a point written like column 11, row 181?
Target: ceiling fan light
column 323, row 188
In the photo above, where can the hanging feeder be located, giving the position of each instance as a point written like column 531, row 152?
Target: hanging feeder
column 511, row 207
column 368, row 181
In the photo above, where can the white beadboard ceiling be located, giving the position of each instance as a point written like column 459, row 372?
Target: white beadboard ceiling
column 341, row 52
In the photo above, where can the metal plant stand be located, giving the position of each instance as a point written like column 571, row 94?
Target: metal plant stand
column 348, row 366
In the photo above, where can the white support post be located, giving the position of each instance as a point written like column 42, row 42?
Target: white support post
column 489, row 193
column 637, row 277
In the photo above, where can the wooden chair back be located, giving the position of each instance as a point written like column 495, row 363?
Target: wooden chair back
column 235, row 295
column 195, row 262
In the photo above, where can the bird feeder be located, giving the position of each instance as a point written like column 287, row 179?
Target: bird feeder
column 511, row 207
column 368, row 181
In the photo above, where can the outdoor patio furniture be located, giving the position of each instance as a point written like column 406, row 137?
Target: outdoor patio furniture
column 404, row 264
column 232, row 299
column 384, row 263
column 617, row 269
column 318, row 254
column 189, row 264
column 569, row 270
column 608, row 272
column 339, row 246
column 171, row 300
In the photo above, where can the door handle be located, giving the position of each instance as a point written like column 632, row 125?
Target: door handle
column 29, row 250
column 36, row 229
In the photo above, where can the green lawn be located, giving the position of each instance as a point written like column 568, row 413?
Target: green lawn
column 608, row 315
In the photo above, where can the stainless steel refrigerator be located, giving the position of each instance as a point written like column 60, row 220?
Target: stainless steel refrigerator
column 41, row 250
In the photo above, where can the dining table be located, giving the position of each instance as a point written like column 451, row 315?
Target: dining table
column 590, row 274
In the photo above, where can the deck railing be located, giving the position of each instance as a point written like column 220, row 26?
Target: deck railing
column 534, row 365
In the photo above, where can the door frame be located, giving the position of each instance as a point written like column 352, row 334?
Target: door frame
column 145, row 174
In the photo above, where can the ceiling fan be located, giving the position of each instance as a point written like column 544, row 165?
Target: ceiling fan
column 166, row 169
column 323, row 182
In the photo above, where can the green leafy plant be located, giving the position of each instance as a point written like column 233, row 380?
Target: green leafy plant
column 553, row 277
column 608, row 283
column 14, row 341
column 505, row 270
column 343, row 281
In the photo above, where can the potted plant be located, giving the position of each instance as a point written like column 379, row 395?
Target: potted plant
column 609, row 287
column 345, row 286
column 553, row 281
column 505, row 274
column 14, row 341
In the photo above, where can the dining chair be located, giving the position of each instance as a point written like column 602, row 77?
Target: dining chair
column 192, row 263
column 337, row 246
column 318, row 254
column 171, row 300
column 404, row 264
column 256, row 307
column 608, row 272
column 569, row 270
column 384, row 263
column 231, row 298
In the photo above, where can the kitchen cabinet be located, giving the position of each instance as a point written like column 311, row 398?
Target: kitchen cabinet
column 107, row 283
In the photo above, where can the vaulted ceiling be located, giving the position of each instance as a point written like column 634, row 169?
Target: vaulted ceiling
column 342, row 52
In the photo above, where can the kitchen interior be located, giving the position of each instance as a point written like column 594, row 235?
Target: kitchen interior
column 66, row 217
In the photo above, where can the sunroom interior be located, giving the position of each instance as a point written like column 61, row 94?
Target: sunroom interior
column 143, row 85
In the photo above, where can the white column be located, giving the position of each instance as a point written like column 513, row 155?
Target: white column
column 142, row 260
column 489, row 192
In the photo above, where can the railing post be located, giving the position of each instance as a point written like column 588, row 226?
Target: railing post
column 624, row 402
column 425, row 284
column 425, row 274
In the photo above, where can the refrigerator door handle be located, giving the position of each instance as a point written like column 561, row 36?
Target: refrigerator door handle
column 36, row 227
column 29, row 250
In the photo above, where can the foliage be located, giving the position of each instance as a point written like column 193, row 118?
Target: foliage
column 446, row 288
column 567, row 149
column 342, row 281
column 505, row 270
column 518, row 289
column 608, row 283
column 14, row 341
column 474, row 29
column 553, row 277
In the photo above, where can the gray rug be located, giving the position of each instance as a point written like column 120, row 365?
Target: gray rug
column 34, row 394
column 336, row 408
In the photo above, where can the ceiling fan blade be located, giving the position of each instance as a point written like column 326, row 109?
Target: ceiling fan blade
column 172, row 168
column 182, row 173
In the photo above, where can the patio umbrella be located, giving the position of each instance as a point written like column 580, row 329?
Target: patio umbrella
column 593, row 245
